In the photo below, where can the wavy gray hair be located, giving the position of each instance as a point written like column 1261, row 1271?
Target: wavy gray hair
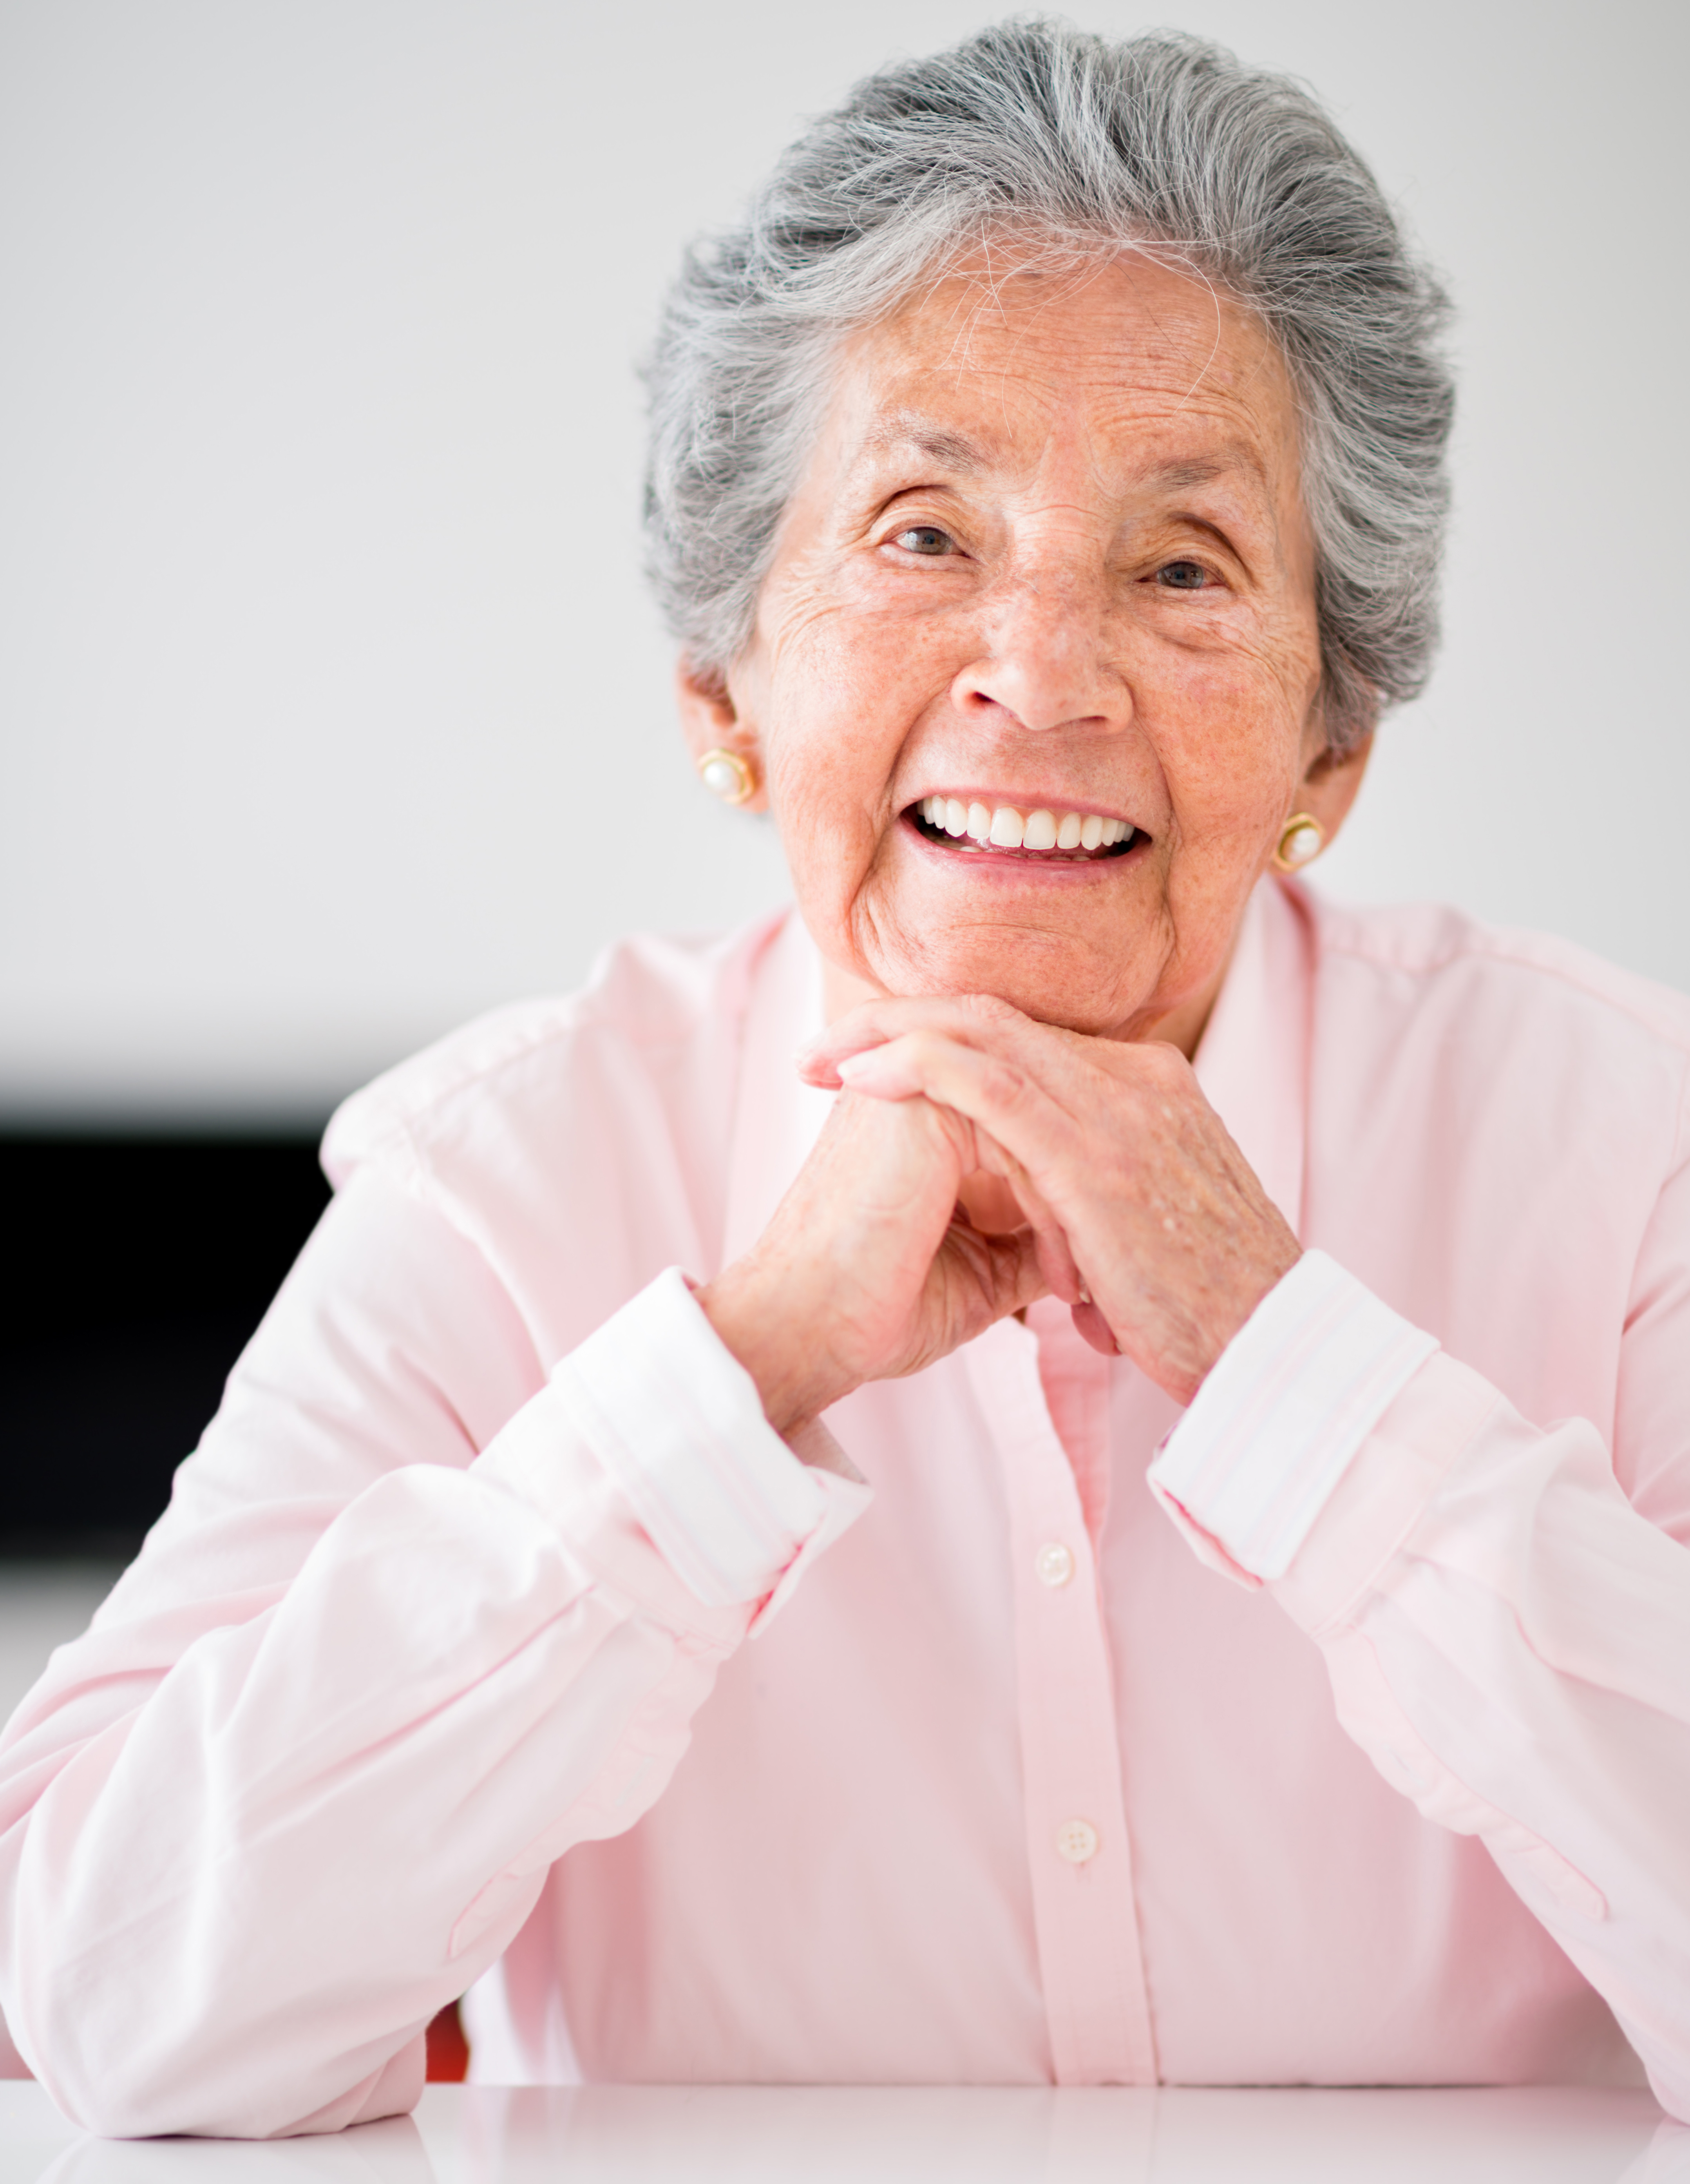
column 1038, row 131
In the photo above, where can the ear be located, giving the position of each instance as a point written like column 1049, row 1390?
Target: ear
column 1332, row 780
column 710, row 721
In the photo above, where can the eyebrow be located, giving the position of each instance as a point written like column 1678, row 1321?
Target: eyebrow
column 1179, row 476
column 1184, row 474
column 951, row 451
column 955, row 451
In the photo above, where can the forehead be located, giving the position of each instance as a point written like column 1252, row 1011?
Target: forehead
column 1139, row 363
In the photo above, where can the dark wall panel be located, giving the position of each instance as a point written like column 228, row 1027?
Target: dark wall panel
column 134, row 1271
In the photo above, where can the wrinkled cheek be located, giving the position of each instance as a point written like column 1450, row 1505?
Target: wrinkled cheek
column 1242, row 731
column 1204, row 916
column 879, row 902
column 832, row 870
column 1227, row 809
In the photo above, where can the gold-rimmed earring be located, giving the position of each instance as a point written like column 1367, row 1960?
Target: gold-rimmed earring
column 1301, row 840
column 725, row 774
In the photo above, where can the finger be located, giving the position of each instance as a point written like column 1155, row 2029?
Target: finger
column 890, row 1071
column 819, row 1068
column 922, row 1066
column 975, row 1019
column 1055, row 1254
column 1090, row 1323
column 1001, row 1095
column 1006, row 1268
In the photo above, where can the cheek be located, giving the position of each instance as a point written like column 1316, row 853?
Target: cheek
column 827, row 773
column 1232, row 748
column 846, row 691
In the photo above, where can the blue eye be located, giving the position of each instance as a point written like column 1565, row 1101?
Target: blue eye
column 924, row 539
column 1182, row 575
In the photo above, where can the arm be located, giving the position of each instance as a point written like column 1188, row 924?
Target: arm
column 301, row 1781
column 1506, row 1625
column 1508, row 1636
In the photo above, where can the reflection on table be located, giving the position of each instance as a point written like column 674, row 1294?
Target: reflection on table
column 746, row 2135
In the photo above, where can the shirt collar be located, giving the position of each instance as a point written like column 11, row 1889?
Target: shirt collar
column 1253, row 1060
column 777, row 1116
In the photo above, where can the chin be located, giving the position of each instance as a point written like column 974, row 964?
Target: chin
column 1053, row 981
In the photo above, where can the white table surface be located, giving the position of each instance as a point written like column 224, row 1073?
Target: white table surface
column 757, row 2135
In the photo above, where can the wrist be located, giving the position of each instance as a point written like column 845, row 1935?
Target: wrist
column 755, row 1320
column 1252, row 1287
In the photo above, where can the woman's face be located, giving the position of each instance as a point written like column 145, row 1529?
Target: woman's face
column 1049, row 556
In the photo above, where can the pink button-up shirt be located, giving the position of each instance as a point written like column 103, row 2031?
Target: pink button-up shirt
column 493, row 1640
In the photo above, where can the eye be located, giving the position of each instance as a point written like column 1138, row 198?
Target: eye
column 924, row 539
column 1182, row 575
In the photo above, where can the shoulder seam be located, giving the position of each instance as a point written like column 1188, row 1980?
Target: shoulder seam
column 402, row 1117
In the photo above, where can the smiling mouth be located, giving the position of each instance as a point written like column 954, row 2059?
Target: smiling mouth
column 978, row 829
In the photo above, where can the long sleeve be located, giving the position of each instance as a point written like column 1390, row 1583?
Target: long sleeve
column 420, row 1617
column 1507, row 1628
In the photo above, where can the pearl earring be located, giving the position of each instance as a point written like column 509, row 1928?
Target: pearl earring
column 1301, row 840
column 725, row 774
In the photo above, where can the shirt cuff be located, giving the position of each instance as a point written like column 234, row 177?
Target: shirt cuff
column 677, row 1423
column 1249, row 1468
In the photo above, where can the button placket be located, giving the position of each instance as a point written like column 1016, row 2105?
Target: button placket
column 1076, row 1841
column 1078, row 1851
column 1053, row 1565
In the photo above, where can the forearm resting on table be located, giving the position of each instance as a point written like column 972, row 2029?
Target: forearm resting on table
column 238, row 1891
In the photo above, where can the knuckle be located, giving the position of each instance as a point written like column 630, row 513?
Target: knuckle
column 1004, row 1087
column 1163, row 1062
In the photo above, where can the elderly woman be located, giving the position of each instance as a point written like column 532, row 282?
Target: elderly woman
column 1196, row 1431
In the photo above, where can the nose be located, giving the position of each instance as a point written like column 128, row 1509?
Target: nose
column 1046, row 660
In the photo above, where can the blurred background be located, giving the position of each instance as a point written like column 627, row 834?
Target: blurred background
column 331, row 708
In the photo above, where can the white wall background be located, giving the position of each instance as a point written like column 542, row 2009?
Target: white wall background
column 331, row 708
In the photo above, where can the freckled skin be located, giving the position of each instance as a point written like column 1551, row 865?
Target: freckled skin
column 1044, row 653
column 1049, row 550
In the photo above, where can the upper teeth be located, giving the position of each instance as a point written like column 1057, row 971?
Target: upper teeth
column 1006, row 829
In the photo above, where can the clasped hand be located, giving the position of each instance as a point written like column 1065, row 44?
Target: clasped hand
column 1126, row 1198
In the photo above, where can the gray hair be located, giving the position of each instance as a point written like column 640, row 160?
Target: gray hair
column 1160, row 142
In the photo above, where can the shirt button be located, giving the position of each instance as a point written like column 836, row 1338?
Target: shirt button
column 1076, row 1841
column 1053, row 1563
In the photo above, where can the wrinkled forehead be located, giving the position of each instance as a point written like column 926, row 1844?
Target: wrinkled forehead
column 1149, row 364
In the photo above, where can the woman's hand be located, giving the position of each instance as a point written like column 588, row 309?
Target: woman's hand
column 869, row 1268
column 1148, row 1219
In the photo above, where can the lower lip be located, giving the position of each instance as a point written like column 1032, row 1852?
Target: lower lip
column 1063, row 867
